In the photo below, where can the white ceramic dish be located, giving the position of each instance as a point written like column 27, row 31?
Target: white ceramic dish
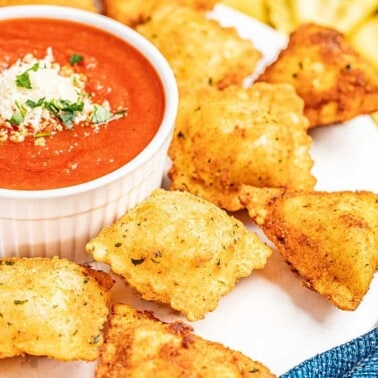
column 61, row 221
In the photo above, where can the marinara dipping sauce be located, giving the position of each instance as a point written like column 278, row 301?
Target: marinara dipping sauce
column 120, row 95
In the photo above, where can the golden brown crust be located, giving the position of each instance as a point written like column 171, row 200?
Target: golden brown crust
column 335, row 82
column 330, row 239
column 199, row 50
column 139, row 345
column 177, row 249
column 104, row 280
column 51, row 307
column 255, row 136
column 135, row 12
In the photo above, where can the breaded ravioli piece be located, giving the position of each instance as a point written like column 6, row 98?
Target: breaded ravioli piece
column 255, row 136
column 199, row 50
column 330, row 239
column 134, row 12
column 88, row 5
column 138, row 345
column 335, row 82
column 52, row 307
column 180, row 250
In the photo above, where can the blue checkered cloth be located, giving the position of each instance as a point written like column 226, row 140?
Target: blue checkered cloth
column 355, row 359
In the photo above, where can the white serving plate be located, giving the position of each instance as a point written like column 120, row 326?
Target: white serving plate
column 269, row 316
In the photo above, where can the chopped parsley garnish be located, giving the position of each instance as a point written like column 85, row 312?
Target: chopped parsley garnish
column 75, row 58
column 21, row 108
column 95, row 339
column 254, row 370
column 102, row 115
column 19, row 302
column 119, row 114
column 16, row 118
column 64, row 110
column 32, row 104
column 138, row 261
column 23, row 80
column 67, row 118
column 43, row 135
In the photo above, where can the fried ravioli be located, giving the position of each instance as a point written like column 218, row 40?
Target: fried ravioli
column 51, row 307
column 139, row 345
column 199, row 50
column 135, row 12
column 180, row 250
column 330, row 239
column 335, row 82
column 255, row 136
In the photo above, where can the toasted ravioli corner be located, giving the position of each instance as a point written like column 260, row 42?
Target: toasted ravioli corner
column 336, row 83
column 329, row 238
column 138, row 344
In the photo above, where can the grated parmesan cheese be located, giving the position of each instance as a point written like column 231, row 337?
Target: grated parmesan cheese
column 31, row 91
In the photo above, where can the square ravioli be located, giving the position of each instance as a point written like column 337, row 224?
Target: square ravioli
column 336, row 83
column 139, row 345
column 52, row 307
column 178, row 249
column 200, row 51
column 330, row 239
column 255, row 136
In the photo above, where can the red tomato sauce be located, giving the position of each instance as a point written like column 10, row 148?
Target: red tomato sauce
column 115, row 72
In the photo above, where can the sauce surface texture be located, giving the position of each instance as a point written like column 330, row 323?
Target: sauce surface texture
column 115, row 72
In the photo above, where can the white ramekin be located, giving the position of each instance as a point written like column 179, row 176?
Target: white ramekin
column 61, row 221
